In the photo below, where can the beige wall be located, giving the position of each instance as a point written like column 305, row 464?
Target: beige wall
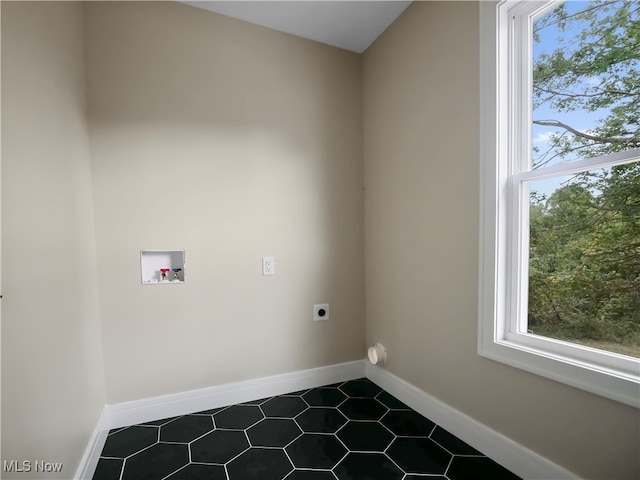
column 421, row 227
column 233, row 142
column 52, row 369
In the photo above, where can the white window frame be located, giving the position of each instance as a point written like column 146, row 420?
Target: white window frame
column 505, row 105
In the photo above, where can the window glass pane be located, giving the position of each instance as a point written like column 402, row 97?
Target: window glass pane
column 584, row 258
column 586, row 81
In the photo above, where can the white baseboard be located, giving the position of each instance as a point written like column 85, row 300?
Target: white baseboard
column 147, row 409
column 92, row 453
column 513, row 456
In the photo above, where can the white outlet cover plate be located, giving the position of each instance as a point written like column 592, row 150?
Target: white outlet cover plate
column 268, row 266
column 316, row 312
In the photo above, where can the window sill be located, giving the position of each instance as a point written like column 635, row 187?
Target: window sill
column 624, row 388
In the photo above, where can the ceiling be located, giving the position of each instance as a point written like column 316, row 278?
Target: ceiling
column 352, row 25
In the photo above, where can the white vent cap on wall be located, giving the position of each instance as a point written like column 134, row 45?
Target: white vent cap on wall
column 377, row 354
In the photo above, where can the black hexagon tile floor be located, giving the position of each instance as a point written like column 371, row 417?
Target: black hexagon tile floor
column 347, row 431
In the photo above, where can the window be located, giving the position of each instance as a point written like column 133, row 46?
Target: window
column 560, row 188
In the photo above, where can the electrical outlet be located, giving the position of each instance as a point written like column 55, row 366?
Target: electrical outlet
column 321, row 312
column 268, row 266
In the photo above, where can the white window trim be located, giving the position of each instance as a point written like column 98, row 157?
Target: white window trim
column 607, row 374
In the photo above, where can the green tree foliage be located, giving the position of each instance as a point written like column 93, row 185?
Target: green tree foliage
column 595, row 67
column 584, row 262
